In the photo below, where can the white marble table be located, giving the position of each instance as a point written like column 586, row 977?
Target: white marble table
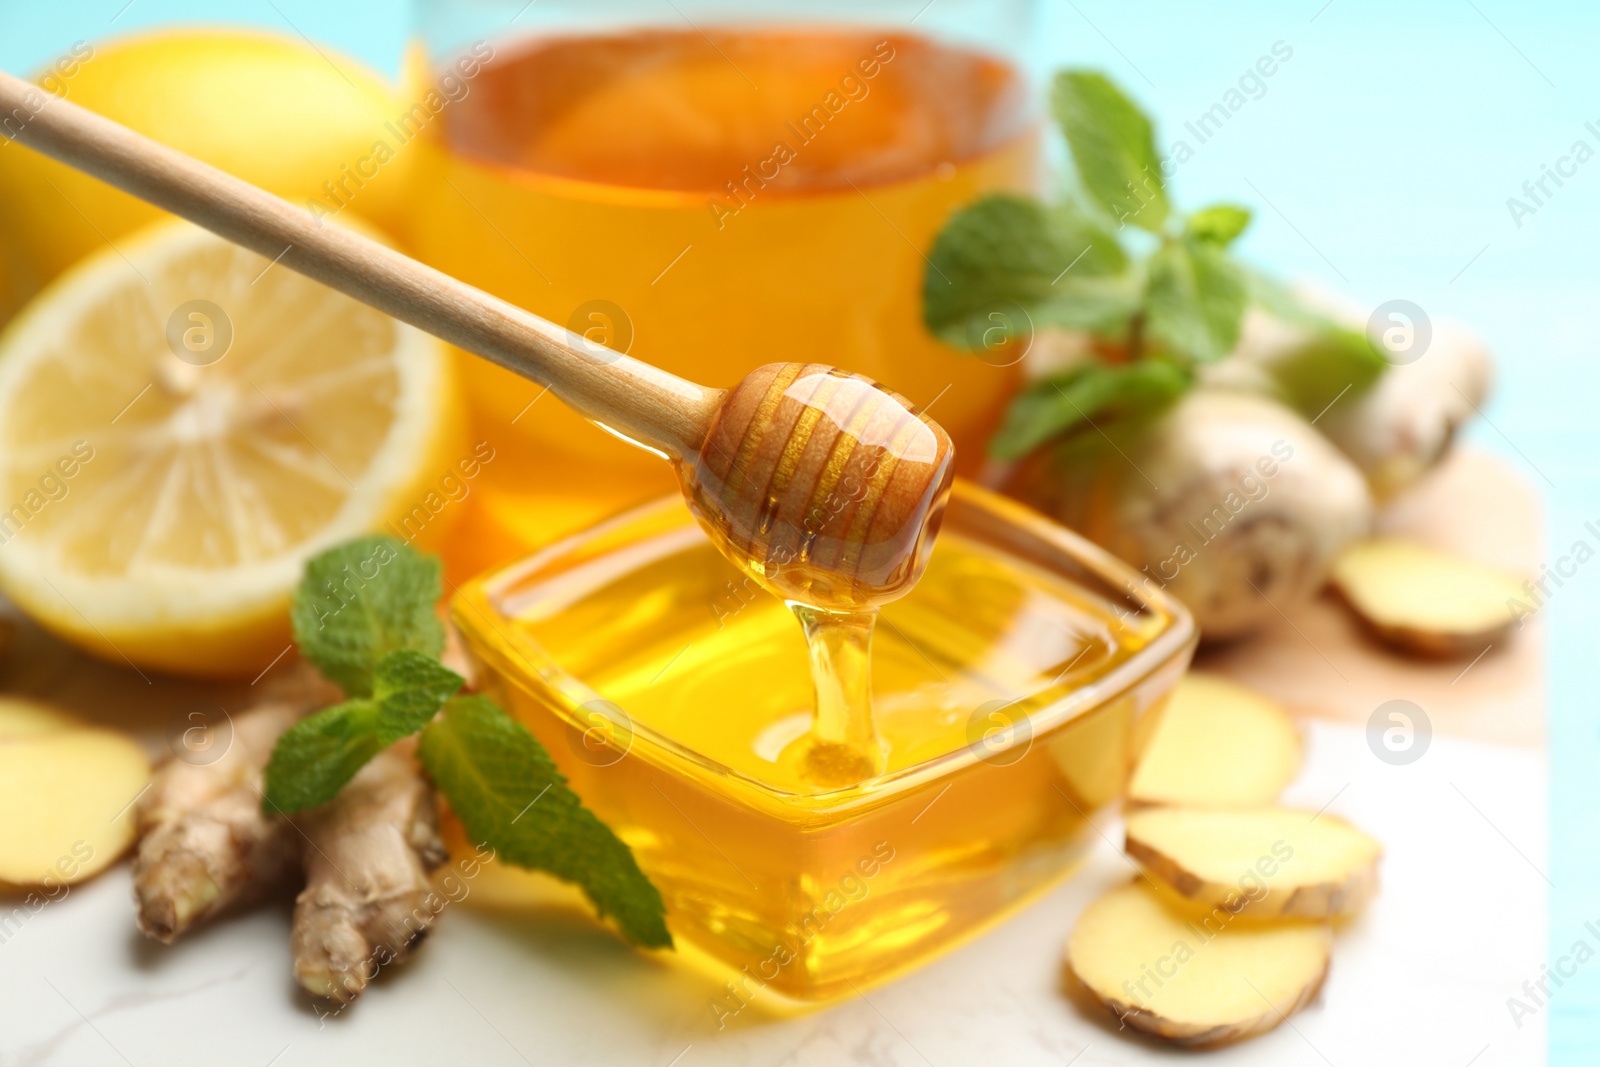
column 1421, row 978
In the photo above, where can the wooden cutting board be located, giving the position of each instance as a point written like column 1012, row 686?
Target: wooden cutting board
column 1320, row 663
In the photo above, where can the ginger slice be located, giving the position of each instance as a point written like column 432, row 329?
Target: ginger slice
column 1425, row 601
column 21, row 717
column 66, row 804
column 1218, row 744
column 1196, row 983
column 1257, row 862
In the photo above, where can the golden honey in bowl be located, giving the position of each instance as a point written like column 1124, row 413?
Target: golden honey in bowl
column 1009, row 687
column 631, row 186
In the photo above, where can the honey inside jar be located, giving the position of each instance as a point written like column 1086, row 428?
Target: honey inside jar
column 716, row 664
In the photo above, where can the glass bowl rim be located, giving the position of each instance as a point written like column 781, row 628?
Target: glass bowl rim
column 1178, row 638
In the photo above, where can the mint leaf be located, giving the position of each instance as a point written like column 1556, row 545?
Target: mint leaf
column 1057, row 264
column 1113, row 148
column 362, row 600
column 508, row 794
column 409, row 689
column 1333, row 358
column 314, row 758
column 1062, row 403
column 1219, row 223
column 1278, row 300
column 1195, row 298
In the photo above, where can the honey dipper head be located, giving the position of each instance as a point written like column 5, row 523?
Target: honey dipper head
column 825, row 486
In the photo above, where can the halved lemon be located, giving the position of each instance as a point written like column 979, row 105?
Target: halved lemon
column 182, row 424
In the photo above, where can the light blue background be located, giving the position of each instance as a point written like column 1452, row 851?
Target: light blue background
column 1387, row 147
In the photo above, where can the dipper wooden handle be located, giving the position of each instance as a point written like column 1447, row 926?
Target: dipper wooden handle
column 805, row 475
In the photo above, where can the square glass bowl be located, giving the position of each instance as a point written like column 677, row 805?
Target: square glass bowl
column 1012, row 686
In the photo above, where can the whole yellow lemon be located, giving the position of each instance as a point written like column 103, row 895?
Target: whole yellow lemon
column 301, row 121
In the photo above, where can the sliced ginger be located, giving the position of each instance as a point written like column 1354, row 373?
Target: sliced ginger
column 1198, row 983
column 22, row 718
column 1257, row 862
column 1426, row 601
column 1218, row 744
column 66, row 804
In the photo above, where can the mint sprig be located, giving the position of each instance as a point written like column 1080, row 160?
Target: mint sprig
column 364, row 615
column 1155, row 310
column 506, row 791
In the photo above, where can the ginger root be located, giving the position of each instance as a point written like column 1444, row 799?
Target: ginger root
column 207, row 846
column 1228, row 500
column 1394, row 430
column 204, row 842
column 367, row 897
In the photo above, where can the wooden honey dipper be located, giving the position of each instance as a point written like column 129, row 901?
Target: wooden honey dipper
column 824, row 485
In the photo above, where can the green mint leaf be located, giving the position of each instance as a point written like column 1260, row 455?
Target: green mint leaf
column 1059, row 265
column 1057, row 405
column 1113, row 148
column 1278, row 300
column 1195, row 298
column 409, row 688
column 360, row 601
column 508, row 794
column 1219, row 223
column 315, row 758
column 1333, row 358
